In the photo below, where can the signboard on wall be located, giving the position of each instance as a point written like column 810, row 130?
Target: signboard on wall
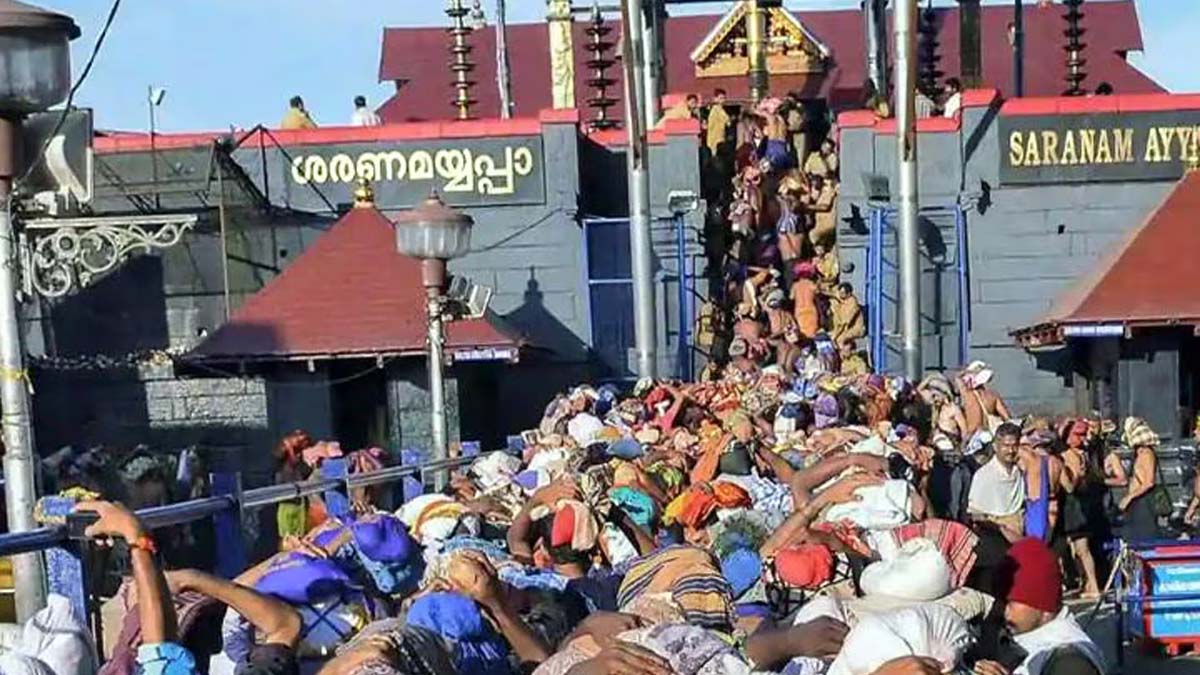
column 477, row 172
column 1097, row 147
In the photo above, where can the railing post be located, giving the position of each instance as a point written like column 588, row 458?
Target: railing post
column 337, row 503
column 66, row 572
column 516, row 445
column 231, row 548
column 411, row 487
column 1120, row 589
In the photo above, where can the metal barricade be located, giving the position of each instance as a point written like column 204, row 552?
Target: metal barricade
column 67, row 574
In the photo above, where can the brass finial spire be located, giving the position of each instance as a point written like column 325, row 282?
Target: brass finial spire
column 1074, row 48
column 364, row 194
column 460, row 64
column 599, row 61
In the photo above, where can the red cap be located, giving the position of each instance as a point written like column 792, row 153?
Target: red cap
column 1036, row 579
column 562, row 532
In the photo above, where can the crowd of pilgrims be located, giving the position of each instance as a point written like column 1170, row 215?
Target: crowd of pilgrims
column 771, row 183
column 753, row 522
column 789, row 512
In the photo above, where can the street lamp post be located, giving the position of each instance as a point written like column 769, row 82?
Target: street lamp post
column 36, row 74
column 154, row 98
column 434, row 233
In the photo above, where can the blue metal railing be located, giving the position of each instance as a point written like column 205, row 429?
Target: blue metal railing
column 686, row 291
column 881, row 296
column 64, row 557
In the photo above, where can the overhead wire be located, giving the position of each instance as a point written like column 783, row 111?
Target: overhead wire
column 83, row 75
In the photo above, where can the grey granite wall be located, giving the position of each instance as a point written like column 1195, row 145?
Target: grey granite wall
column 409, row 404
column 149, row 405
column 1026, row 245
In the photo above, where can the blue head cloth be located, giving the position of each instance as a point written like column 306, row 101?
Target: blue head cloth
column 606, row 399
column 383, row 538
column 532, row 479
column 494, row 550
column 794, row 458
column 297, row 578
column 824, row 344
column 741, row 568
column 477, row 648
column 664, row 538
column 789, row 410
column 897, row 386
column 387, row 553
column 638, row 505
column 626, row 448
column 324, row 535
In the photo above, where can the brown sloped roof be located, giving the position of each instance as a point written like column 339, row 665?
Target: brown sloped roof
column 418, row 57
column 1147, row 280
column 349, row 294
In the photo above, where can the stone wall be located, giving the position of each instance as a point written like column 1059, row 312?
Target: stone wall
column 228, row 417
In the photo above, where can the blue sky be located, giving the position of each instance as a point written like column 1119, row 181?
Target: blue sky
column 236, row 62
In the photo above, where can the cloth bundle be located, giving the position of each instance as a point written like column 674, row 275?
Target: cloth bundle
column 693, row 579
column 475, row 647
column 926, row 630
column 807, row 566
column 917, row 572
column 879, row 507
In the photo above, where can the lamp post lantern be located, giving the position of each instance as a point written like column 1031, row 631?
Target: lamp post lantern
column 35, row 73
column 434, row 233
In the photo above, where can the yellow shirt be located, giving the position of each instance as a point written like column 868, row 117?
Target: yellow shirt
column 297, row 119
column 816, row 164
column 679, row 111
column 718, row 123
column 855, row 364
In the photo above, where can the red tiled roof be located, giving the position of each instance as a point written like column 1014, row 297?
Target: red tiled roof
column 1147, row 280
column 418, row 56
column 350, row 293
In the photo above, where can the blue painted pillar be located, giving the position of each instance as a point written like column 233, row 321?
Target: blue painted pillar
column 337, row 502
column 231, row 548
column 411, row 486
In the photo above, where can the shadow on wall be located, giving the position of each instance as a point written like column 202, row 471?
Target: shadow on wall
column 1059, row 361
column 932, row 239
column 123, row 312
column 545, row 332
column 555, row 360
column 597, row 167
column 85, row 405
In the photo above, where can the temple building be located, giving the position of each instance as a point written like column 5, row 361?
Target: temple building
column 248, row 327
column 822, row 55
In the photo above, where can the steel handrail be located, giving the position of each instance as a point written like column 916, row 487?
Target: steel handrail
column 181, row 513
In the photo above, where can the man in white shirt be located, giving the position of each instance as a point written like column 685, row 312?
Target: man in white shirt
column 997, row 493
column 364, row 116
column 953, row 97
